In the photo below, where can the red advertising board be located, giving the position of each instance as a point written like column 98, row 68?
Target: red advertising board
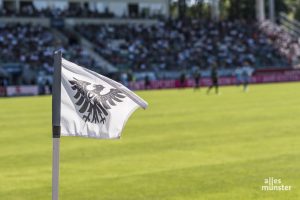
column 271, row 77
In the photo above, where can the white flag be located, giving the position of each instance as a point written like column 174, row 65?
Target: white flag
column 93, row 105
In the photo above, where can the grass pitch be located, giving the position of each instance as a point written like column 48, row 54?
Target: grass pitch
column 187, row 145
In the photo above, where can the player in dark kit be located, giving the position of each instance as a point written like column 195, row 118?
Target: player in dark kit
column 197, row 78
column 214, row 79
column 182, row 80
column 147, row 83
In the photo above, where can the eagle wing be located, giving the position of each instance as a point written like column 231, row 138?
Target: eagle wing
column 109, row 99
column 95, row 105
column 81, row 94
column 87, row 103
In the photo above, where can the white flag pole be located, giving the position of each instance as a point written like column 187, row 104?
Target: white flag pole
column 56, row 100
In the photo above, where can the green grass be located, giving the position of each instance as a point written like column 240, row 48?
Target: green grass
column 187, row 145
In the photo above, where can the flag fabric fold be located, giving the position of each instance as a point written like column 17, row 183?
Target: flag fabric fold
column 93, row 105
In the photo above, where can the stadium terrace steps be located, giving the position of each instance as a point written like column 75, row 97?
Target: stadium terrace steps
column 89, row 47
column 60, row 35
column 106, row 65
column 26, row 20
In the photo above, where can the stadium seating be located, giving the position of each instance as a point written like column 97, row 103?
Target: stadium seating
column 182, row 45
column 286, row 43
column 32, row 46
column 170, row 45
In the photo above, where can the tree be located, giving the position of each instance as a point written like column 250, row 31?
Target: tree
column 198, row 9
column 241, row 9
column 280, row 6
column 297, row 11
column 182, row 8
column 246, row 9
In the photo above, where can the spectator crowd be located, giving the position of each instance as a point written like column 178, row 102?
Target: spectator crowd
column 32, row 46
column 181, row 45
column 287, row 44
column 75, row 11
column 31, row 11
column 170, row 45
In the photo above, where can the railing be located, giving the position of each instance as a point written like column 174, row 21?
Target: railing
column 46, row 21
column 291, row 25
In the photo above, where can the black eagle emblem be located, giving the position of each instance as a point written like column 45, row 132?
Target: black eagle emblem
column 91, row 103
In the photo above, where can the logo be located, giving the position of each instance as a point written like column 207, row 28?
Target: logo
column 91, row 103
column 273, row 184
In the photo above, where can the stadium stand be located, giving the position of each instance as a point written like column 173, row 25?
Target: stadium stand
column 161, row 48
column 286, row 43
column 182, row 45
column 32, row 46
column 75, row 11
column 31, row 11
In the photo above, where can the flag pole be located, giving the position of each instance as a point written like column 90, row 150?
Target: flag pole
column 56, row 99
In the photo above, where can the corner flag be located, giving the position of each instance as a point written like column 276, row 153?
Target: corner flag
column 86, row 104
column 93, row 105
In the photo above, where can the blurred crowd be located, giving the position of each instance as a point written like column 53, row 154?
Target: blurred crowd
column 287, row 44
column 73, row 11
column 171, row 45
column 31, row 11
column 180, row 45
column 32, row 46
